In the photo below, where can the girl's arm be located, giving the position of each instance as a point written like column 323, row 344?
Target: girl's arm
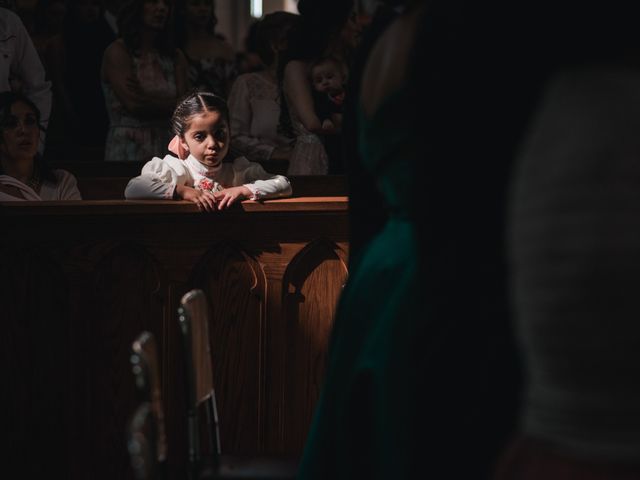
column 158, row 181
column 117, row 70
column 261, row 184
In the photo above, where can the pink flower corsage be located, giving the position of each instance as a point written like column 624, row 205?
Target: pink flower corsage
column 207, row 185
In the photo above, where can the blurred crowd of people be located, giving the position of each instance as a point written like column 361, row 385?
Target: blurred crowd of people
column 115, row 71
column 487, row 326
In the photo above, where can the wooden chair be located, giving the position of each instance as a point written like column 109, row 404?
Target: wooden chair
column 141, row 443
column 205, row 457
column 147, row 442
column 202, row 413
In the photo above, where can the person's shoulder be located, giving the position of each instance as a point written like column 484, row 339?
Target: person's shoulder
column 64, row 180
column 117, row 47
column 10, row 23
column 390, row 55
column 116, row 55
column 9, row 17
column 244, row 78
column 295, row 70
column 60, row 173
column 168, row 160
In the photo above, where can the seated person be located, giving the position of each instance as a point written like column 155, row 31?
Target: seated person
column 23, row 173
column 328, row 79
column 254, row 101
column 197, row 173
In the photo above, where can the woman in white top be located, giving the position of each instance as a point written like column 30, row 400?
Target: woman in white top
column 254, row 101
column 197, row 172
column 23, row 173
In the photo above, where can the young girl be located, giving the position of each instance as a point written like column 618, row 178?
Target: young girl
column 201, row 125
column 23, row 173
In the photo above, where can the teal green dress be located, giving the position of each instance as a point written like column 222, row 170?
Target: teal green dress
column 363, row 425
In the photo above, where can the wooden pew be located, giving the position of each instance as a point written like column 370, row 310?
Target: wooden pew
column 107, row 180
column 79, row 280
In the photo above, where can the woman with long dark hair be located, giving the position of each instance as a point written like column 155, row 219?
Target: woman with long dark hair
column 142, row 76
column 324, row 29
column 211, row 60
column 23, row 173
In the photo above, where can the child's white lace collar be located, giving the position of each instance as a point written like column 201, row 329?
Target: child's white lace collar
column 202, row 170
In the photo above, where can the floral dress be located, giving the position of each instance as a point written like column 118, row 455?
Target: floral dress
column 132, row 138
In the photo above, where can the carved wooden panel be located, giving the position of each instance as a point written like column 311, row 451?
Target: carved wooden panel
column 35, row 363
column 235, row 287
column 79, row 280
column 312, row 286
column 127, row 301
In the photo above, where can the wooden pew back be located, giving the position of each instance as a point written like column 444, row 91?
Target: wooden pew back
column 82, row 279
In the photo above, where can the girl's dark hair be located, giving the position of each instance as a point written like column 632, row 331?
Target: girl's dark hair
column 196, row 103
column 130, row 22
column 7, row 100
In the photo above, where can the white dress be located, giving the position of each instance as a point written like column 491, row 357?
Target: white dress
column 65, row 189
column 254, row 108
column 160, row 176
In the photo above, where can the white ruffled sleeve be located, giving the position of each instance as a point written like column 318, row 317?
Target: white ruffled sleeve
column 67, row 188
column 262, row 185
column 158, row 179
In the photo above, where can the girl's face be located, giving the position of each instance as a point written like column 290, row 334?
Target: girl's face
column 155, row 14
column 207, row 138
column 20, row 133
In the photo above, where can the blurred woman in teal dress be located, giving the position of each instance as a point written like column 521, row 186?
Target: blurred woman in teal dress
column 422, row 378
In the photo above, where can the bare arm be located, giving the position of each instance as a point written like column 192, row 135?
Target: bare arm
column 297, row 91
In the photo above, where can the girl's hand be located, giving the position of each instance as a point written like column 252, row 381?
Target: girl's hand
column 228, row 196
column 205, row 200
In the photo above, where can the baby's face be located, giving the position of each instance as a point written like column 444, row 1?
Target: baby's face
column 327, row 78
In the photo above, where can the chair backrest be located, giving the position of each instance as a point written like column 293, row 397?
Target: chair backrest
column 142, row 443
column 146, row 369
column 147, row 442
column 204, row 435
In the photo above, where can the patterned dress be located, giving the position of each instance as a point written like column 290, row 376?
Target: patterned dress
column 132, row 138
column 212, row 75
